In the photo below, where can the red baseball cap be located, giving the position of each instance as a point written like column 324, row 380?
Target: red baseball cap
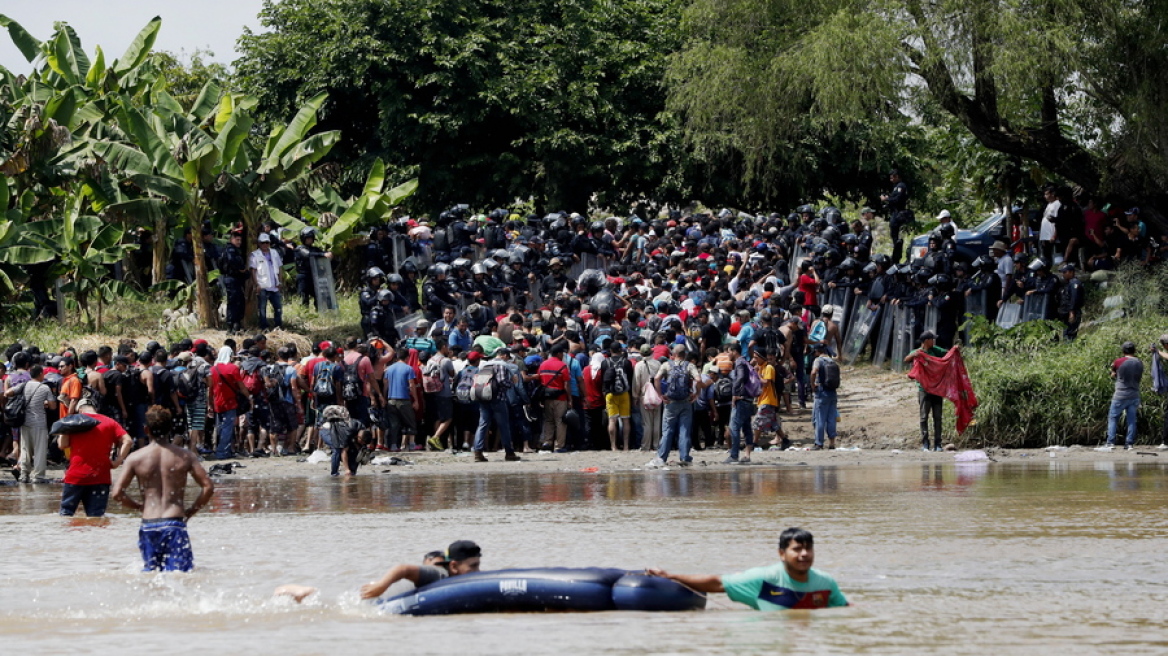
column 325, row 344
column 197, row 343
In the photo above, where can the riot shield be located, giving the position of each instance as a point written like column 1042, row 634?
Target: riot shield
column 60, row 298
column 408, row 326
column 797, row 255
column 863, row 320
column 845, row 309
column 975, row 304
column 902, row 337
column 399, row 252
column 323, row 285
column 1035, row 307
column 884, row 342
column 931, row 318
column 1009, row 315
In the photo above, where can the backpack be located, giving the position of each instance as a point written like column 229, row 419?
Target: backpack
column 273, row 375
column 351, row 382
column 432, row 375
column 724, row 390
column 485, row 386
column 465, row 385
column 254, row 382
column 752, row 388
column 442, row 240
column 677, row 382
column 191, row 382
column 322, row 385
column 829, row 374
column 769, row 340
column 620, row 378
column 16, row 408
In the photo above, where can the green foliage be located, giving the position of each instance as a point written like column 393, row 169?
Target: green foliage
column 1065, row 85
column 491, row 99
column 1035, row 391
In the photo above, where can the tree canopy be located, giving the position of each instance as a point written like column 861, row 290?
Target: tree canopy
column 489, row 100
column 1074, row 86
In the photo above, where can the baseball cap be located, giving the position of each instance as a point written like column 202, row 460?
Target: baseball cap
column 944, row 215
column 185, row 356
column 473, row 357
column 264, row 238
column 1067, row 266
column 325, row 344
column 928, row 334
column 999, row 246
column 463, row 550
column 867, row 210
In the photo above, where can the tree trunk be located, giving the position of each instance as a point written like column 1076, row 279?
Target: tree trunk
column 158, row 263
column 207, row 314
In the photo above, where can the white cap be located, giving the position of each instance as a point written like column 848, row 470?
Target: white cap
column 943, row 215
column 264, row 238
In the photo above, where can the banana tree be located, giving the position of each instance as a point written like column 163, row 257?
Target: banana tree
column 20, row 243
column 374, row 205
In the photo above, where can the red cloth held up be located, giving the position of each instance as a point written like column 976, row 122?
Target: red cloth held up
column 946, row 377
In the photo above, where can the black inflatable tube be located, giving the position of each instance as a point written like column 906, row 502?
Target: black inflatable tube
column 546, row 590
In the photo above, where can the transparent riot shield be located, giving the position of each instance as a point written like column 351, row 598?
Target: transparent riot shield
column 931, row 318
column 902, row 337
column 884, row 342
column 1009, row 315
column 399, row 251
column 845, row 309
column 863, row 321
column 975, row 304
column 1035, row 307
column 797, row 256
column 408, row 325
column 323, row 285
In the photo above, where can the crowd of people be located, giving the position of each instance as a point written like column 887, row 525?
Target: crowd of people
column 556, row 333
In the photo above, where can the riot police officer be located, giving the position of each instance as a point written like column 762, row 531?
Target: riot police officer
column 367, row 298
column 381, row 319
column 303, row 258
column 897, row 203
column 182, row 259
column 234, row 272
column 437, row 291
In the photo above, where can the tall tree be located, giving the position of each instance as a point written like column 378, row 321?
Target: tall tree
column 487, row 100
column 1050, row 81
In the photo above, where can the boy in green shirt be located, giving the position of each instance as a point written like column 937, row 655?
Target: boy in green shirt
column 789, row 584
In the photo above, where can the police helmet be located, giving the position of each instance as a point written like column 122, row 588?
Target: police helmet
column 478, row 268
column 461, row 263
column 384, row 295
column 305, row 233
column 393, row 279
column 374, row 272
column 407, row 267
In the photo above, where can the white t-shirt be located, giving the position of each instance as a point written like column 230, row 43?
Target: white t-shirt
column 1046, row 232
column 1005, row 268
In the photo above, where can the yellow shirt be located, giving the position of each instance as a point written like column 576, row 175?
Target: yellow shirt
column 768, row 396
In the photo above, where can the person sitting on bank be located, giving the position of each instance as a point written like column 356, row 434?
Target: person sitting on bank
column 790, row 584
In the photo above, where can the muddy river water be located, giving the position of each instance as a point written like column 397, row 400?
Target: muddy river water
column 1042, row 557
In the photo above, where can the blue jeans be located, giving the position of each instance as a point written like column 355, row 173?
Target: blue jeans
column 1120, row 407
column 226, row 433
column 497, row 414
column 740, row 414
column 823, row 413
column 638, row 429
column 277, row 309
column 676, row 426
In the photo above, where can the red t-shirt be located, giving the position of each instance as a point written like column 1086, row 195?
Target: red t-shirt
column 593, row 389
column 809, row 287
column 554, row 374
column 1093, row 223
column 225, row 380
column 89, row 453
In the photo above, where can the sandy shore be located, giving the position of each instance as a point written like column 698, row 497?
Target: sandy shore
column 421, row 463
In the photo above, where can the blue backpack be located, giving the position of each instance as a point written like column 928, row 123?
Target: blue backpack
column 677, row 383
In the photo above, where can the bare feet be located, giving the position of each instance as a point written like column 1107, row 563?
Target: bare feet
column 297, row 592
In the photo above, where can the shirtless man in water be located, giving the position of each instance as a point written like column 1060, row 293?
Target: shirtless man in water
column 161, row 469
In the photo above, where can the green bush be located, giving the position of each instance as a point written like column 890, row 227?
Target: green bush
column 1035, row 391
